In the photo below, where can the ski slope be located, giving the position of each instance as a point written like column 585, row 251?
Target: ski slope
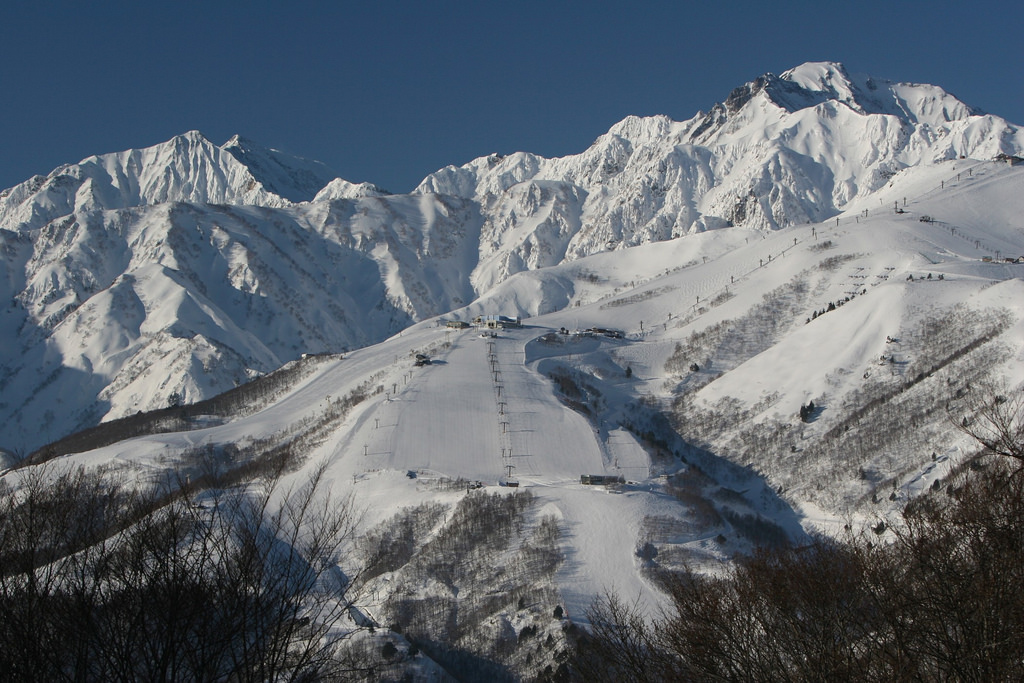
column 176, row 272
column 479, row 411
column 485, row 409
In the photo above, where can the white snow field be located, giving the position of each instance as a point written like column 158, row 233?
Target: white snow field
column 890, row 297
column 186, row 268
column 485, row 410
column 463, row 416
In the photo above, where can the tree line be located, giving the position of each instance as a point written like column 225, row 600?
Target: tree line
column 102, row 581
column 932, row 595
column 242, row 400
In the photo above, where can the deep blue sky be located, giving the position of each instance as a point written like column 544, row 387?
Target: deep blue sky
column 387, row 91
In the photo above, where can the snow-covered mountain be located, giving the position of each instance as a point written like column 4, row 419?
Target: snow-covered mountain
column 179, row 270
column 112, row 312
column 766, row 321
column 765, row 385
column 780, row 150
column 187, row 168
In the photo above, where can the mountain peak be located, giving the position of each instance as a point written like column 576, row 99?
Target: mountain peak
column 819, row 76
column 237, row 141
column 339, row 188
column 194, row 135
column 813, row 84
column 294, row 178
column 188, row 167
column 643, row 128
column 187, row 140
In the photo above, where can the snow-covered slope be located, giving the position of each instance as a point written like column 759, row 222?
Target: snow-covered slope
column 187, row 168
column 179, row 270
column 112, row 312
column 890, row 324
column 686, row 364
column 343, row 189
column 287, row 176
column 780, row 150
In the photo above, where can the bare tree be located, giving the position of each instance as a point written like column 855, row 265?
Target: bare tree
column 938, row 599
column 101, row 582
column 995, row 419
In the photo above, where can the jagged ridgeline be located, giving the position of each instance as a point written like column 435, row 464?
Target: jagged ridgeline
column 187, row 267
column 497, row 397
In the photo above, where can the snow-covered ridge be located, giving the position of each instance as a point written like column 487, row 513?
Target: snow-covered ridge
column 343, row 189
column 110, row 312
column 203, row 265
column 745, row 375
column 186, row 168
column 290, row 177
column 815, row 82
column 764, row 384
column 780, row 150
